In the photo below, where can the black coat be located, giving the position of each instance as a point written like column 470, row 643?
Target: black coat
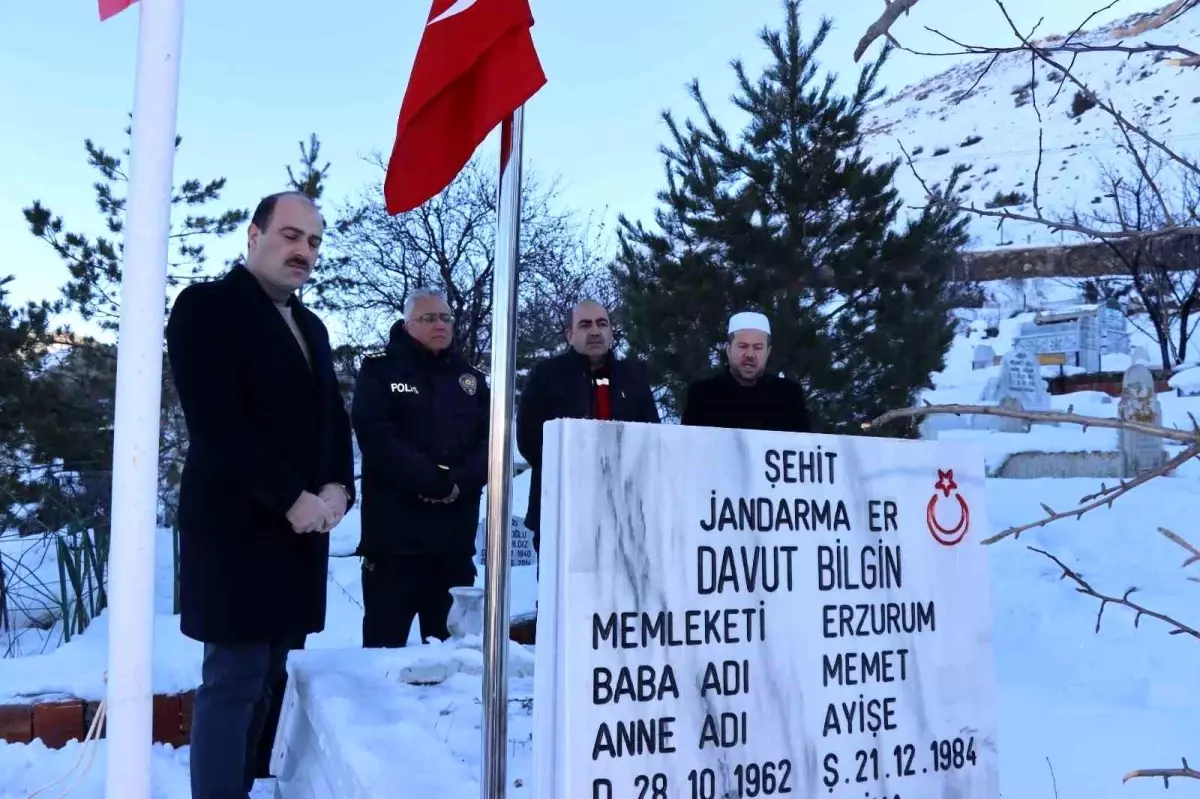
column 561, row 388
column 415, row 412
column 262, row 428
column 772, row 403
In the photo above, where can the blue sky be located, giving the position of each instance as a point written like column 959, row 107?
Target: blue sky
column 258, row 77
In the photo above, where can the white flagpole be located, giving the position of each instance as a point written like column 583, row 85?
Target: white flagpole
column 500, row 465
column 139, row 395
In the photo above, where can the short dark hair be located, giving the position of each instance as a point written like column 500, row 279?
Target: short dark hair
column 266, row 208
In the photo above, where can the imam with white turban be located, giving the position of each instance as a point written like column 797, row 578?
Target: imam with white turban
column 726, row 400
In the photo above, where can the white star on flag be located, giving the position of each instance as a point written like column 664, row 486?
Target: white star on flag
column 458, row 7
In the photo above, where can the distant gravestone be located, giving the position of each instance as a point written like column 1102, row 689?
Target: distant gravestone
column 983, row 357
column 520, row 543
column 1021, row 378
column 1009, row 425
column 1143, row 452
column 1140, row 355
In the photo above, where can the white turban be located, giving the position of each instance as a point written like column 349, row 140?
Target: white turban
column 749, row 320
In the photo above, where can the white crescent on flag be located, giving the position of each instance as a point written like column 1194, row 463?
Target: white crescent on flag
column 458, row 7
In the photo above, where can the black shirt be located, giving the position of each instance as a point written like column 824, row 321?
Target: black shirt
column 772, row 403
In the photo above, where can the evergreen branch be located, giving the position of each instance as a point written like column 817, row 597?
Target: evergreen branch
column 1167, row 774
column 1083, row 587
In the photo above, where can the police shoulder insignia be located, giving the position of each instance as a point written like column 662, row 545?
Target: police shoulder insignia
column 469, row 383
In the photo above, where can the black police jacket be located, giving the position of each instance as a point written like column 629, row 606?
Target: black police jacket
column 263, row 426
column 561, row 388
column 422, row 426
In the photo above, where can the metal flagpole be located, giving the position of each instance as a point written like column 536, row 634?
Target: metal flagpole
column 139, row 395
column 500, row 462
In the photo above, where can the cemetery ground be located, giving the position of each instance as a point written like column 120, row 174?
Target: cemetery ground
column 1078, row 707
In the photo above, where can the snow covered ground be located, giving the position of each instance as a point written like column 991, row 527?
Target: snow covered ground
column 1089, row 706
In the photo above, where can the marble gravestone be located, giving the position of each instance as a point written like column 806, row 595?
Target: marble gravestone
column 730, row 613
column 1139, row 403
column 1021, row 379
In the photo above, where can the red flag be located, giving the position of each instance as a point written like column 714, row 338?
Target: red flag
column 110, row 8
column 476, row 64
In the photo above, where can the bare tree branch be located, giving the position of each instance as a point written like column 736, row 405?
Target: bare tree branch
column 882, row 26
column 1083, row 587
column 1187, row 772
column 1106, row 496
column 1166, row 15
column 1045, row 417
column 1178, row 539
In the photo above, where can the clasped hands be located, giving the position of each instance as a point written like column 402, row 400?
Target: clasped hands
column 318, row 513
column 446, row 500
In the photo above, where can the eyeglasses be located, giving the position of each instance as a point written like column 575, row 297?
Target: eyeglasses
column 430, row 318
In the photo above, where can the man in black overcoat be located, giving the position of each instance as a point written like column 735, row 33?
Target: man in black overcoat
column 743, row 396
column 585, row 382
column 268, row 473
column 421, row 413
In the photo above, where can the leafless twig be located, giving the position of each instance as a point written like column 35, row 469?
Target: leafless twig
column 1162, row 18
column 1083, row 587
column 1053, row 225
column 882, row 26
column 1106, row 495
column 1166, row 773
column 1178, row 539
column 1045, row 417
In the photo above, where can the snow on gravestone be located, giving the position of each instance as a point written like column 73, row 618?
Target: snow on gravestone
column 983, row 357
column 1139, row 403
column 1021, row 387
column 732, row 613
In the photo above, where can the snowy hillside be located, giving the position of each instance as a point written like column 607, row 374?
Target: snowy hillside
column 989, row 133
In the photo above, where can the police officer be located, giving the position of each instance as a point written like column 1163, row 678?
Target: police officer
column 743, row 396
column 420, row 412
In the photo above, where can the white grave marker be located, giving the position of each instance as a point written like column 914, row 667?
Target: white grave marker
column 1139, row 403
column 1021, row 378
column 520, row 543
column 983, row 357
column 730, row 613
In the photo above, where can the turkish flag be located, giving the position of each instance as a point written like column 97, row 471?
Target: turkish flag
column 110, row 8
column 476, row 64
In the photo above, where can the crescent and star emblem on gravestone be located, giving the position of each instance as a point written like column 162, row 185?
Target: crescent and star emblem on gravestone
column 947, row 536
column 457, row 7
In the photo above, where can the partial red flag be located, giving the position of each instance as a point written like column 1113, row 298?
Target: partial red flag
column 110, row 8
column 476, row 64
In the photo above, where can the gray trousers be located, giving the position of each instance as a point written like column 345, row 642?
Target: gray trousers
column 229, row 713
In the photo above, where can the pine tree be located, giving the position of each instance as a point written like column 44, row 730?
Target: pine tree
column 790, row 218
